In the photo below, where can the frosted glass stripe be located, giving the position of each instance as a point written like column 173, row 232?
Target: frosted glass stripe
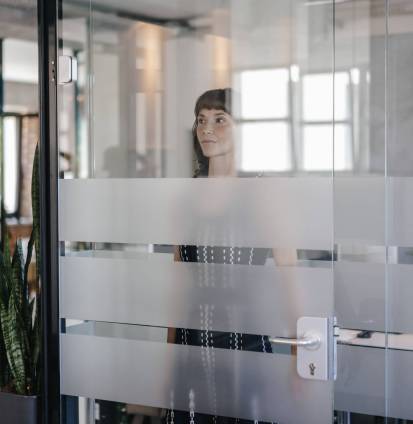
column 362, row 381
column 359, row 295
column 400, row 204
column 249, row 212
column 250, row 299
column 359, row 212
column 400, row 295
column 360, row 385
column 400, row 384
column 231, row 383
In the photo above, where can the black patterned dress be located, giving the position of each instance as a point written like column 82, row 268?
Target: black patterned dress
column 217, row 339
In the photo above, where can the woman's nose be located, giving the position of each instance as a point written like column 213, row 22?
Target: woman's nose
column 208, row 130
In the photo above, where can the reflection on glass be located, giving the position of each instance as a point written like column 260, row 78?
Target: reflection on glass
column 134, row 104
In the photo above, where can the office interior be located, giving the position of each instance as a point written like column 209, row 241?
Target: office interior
column 322, row 113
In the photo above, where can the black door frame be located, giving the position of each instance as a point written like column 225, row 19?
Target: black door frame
column 47, row 32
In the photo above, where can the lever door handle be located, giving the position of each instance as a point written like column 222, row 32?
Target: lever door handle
column 316, row 347
column 306, row 341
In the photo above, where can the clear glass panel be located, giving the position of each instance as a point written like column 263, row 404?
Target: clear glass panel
column 399, row 153
column 360, row 208
column 318, row 88
column 223, row 91
column 145, row 134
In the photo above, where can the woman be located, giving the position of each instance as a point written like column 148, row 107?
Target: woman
column 213, row 134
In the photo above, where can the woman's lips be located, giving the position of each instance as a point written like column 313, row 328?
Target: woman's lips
column 208, row 141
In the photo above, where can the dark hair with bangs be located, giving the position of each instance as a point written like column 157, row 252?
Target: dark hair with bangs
column 220, row 99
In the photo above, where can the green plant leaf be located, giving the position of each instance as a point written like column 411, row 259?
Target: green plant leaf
column 4, row 285
column 28, row 259
column 5, row 374
column 4, row 365
column 35, row 345
column 13, row 316
column 6, row 261
column 7, row 336
column 20, row 331
column 17, row 268
column 35, row 339
column 14, row 346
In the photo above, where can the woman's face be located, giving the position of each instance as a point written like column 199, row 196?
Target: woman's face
column 215, row 130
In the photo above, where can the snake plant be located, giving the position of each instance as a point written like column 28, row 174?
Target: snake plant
column 20, row 336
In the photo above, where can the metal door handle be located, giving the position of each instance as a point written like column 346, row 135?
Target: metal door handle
column 316, row 347
column 67, row 69
column 306, row 341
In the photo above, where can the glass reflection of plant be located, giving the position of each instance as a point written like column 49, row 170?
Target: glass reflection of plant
column 20, row 334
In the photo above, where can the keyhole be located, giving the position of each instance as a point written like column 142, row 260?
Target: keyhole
column 312, row 368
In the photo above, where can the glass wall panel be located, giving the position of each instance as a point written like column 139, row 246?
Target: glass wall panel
column 360, row 209
column 227, row 167
column 400, row 170
column 196, row 206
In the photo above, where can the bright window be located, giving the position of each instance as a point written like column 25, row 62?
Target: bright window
column 318, row 138
column 264, row 94
column 265, row 146
column 11, row 164
column 264, row 130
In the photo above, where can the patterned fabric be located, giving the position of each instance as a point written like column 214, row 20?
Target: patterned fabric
column 218, row 339
column 224, row 255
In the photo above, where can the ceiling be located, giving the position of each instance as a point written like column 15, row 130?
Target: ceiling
column 183, row 9
column 154, row 9
column 18, row 18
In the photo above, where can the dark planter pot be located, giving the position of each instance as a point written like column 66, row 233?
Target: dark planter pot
column 17, row 409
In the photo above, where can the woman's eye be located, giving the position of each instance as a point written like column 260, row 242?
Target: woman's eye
column 220, row 120
column 201, row 121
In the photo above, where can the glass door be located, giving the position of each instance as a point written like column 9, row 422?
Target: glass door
column 196, row 199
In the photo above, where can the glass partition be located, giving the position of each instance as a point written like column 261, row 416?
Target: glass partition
column 399, row 170
column 360, row 211
column 227, row 168
column 196, row 208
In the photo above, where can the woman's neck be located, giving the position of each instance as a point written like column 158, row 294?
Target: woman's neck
column 222, row 166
